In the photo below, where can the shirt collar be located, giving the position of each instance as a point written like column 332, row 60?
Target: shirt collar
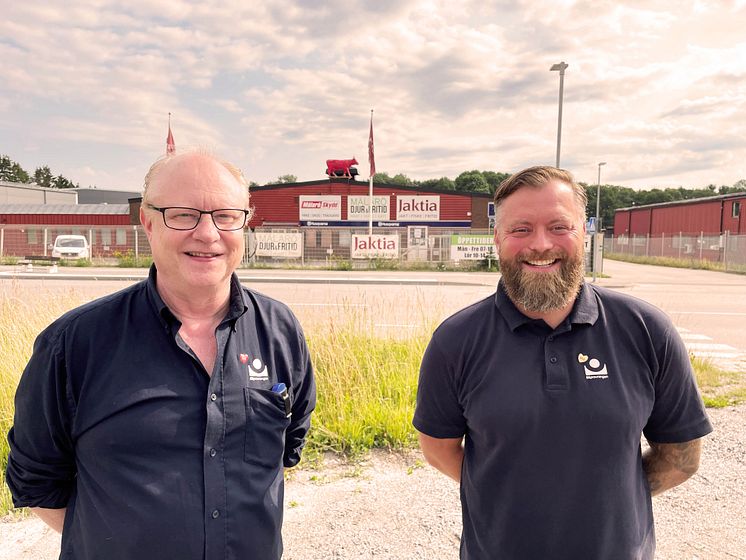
column 584, row 310
column 236, row 304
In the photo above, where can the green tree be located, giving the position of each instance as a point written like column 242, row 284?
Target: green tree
column 12, row 172
column 60, row 182
column 287, row 179
column 472, row 181
column 444, row 183
column 494, row 178
column 43, row 176
column 398, row 179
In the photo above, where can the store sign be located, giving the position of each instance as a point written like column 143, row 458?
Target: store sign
column 286, row 245
column 374, row 247
column 320, row 207
column 471, row 247
column 358, row 208
column 417, row 208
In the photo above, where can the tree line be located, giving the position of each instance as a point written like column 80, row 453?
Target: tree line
column 12, row 172
column 612, row 196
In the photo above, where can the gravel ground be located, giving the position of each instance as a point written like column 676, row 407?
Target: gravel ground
column 392, row 506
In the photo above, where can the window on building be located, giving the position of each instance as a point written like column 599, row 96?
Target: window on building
column 31, row 236
column 105, row 237
column 736, row 209
column 121, row 236
column 311, row 238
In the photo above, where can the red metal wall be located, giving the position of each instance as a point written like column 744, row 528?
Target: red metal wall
column 66, row 219
column 280, row 204
column 695, row 218
column 622, row 222
column 735, row 225
column 639, row 221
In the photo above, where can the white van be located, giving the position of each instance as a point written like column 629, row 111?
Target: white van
column 71, row 247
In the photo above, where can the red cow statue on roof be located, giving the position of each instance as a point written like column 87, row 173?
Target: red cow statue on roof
column 341, row 167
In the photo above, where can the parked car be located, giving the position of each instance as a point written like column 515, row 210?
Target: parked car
column 71, row 247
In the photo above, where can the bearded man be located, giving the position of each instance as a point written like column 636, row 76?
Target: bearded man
column 535, row 399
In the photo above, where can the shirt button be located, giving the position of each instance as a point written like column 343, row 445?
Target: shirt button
column 213, row 397
column 215, row 514
column 553, row 359
column 213, row 453
column 550, row 338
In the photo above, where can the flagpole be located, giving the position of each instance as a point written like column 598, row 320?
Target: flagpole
column 370, row 178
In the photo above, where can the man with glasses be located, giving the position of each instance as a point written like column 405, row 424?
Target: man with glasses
column 155, row 422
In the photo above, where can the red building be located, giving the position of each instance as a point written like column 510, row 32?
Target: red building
column 337, row 202
column 714, row 215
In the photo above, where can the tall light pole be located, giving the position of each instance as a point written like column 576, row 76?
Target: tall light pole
column 598, row 220
column 560, row 67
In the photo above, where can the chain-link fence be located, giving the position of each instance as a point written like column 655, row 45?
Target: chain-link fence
column 411, row 246
column 728, row 250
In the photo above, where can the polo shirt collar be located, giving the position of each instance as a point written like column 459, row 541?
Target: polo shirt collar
column 584, row 310
column 237, row 305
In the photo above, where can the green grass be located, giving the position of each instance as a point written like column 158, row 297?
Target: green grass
column 366, row 383
column 673, row 262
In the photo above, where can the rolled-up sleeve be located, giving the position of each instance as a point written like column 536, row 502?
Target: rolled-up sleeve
column 41, row 463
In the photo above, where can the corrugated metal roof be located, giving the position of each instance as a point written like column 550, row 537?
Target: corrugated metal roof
column 64, row 208
column 31, row 187
column 715, row 198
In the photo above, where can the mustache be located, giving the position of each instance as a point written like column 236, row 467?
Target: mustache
column 543, row 256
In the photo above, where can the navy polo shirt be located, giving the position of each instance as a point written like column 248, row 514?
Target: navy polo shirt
column 552, row 420
column 117, row 420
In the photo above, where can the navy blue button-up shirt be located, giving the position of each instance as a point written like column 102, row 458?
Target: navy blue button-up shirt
column 117, row 420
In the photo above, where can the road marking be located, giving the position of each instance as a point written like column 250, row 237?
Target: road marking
column 711, row 350
column 692, row 336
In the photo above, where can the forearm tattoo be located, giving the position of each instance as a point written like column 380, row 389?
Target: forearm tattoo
column 669, row 464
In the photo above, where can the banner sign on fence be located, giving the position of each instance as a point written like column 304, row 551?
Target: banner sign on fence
column 358, row 208
column 375, row 247
column 287, row 245
column 471, row 247
column 320, row 207
column 417, row 208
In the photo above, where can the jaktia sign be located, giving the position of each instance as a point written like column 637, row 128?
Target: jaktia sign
column 374, row 247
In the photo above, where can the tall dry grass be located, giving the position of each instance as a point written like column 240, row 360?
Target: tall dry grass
column 23, row 314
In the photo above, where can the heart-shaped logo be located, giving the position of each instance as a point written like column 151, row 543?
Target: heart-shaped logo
column 582, row 358
column 244, row 358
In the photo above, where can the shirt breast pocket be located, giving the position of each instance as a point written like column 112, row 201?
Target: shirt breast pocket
column 266, row 423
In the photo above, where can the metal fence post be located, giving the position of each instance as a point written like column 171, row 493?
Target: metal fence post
column 647, row 244
column 137, row 244
column 2, row 240
column 663, row 243
column 701, row 243
column 46, row 240
column 680, row 242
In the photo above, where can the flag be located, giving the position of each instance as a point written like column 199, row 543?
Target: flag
column 371, row 156
column 170, row 145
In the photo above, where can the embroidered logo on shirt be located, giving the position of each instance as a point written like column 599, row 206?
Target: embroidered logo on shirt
column 244, row 358
column 257, row 370
column 594, row 369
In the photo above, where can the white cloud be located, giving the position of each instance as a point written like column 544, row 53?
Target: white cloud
column 654, row 89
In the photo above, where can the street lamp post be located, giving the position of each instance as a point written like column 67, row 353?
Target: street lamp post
column 560, row 67
column 598, row 220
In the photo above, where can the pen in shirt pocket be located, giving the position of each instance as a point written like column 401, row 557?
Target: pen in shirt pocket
column 282, row 390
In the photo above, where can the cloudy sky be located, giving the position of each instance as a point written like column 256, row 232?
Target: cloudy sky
column 657, row 89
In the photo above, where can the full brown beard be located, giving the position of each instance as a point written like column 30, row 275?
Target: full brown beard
column 540, row 292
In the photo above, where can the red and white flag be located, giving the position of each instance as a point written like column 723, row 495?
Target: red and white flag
column 170, row 144
column 371, row 155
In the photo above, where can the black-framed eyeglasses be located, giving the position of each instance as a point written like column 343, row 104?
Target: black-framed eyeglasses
column 183, row 218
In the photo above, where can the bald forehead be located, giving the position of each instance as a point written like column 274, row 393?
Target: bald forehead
column 194, row 169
